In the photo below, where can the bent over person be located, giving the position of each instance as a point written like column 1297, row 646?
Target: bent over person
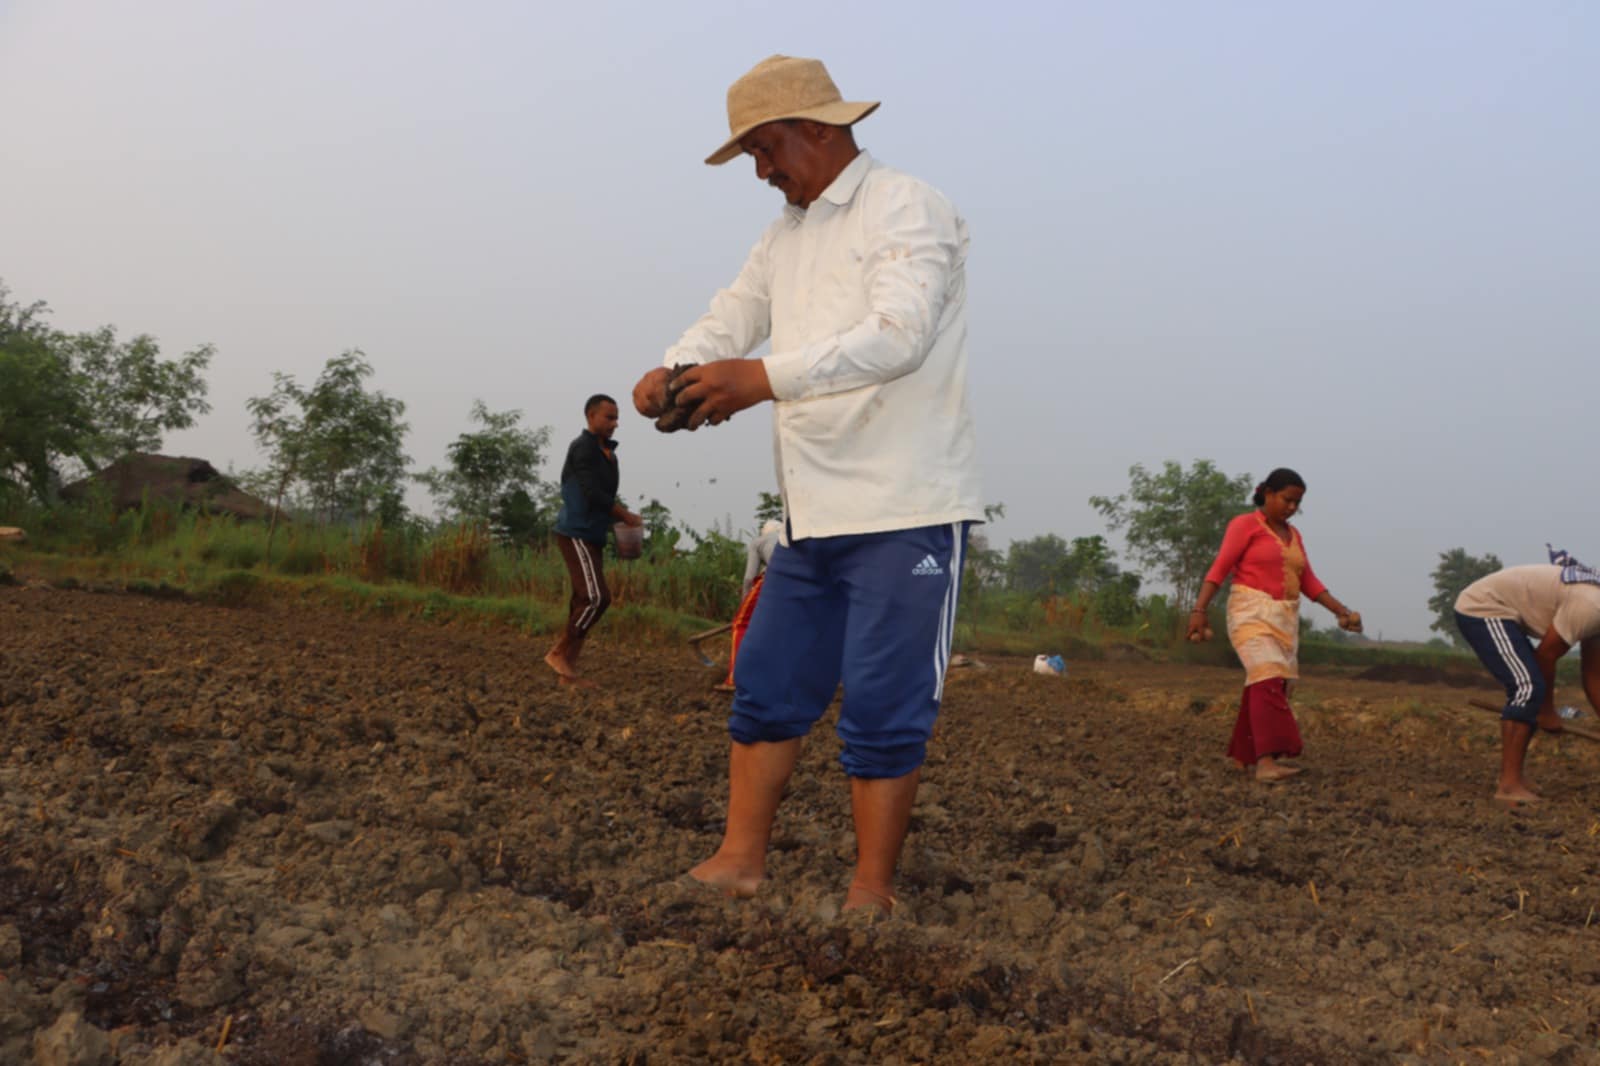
column 860, row 284
column 589, row 480
column 1500, row 616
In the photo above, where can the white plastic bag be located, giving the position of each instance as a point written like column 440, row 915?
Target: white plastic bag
column 1050, row 664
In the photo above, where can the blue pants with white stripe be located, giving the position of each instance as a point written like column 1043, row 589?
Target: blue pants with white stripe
column 873, row 610
column 1508, row 653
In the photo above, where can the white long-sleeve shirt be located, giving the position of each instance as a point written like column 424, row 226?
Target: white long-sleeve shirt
column 864, row 296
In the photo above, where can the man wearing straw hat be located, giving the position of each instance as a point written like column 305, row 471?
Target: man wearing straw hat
column 860, row 285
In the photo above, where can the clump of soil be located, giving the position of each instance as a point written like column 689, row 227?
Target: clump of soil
column 676, row 416
column 355, row 841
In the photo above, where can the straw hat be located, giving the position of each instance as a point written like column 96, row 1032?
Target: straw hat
column 781, row 87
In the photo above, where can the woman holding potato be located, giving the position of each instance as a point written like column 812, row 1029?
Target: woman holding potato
column 1267, row 560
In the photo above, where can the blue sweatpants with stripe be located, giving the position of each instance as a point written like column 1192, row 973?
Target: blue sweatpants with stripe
column 1505, row 649
column 873, row 610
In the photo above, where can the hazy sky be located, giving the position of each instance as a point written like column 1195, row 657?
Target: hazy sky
column 1358, row 239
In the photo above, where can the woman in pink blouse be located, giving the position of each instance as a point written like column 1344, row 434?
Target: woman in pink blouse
column 1267, row 560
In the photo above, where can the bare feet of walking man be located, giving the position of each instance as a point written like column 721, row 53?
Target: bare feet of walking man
column 860, row 285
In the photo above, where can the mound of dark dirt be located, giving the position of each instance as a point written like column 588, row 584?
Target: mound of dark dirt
column 173, row 480
column 1417, row 674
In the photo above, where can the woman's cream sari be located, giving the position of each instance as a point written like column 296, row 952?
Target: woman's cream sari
column 1265, row 632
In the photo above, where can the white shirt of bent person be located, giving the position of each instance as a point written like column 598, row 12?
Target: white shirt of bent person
column 1536, row 599
column 864, row 298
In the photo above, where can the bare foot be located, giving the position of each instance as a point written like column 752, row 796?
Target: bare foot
column 1515, row 795
column 1267, row 770
column 1550, row 722
column 736, row 880
column 558, row 662
column 861, row 896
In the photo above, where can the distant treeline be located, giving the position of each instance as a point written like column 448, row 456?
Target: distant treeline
column 335, row 462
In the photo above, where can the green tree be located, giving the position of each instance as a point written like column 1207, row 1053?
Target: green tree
column 279, row 428
column 769, row 507
column 1048, row 564
column 1038, row 565
column 1173, row 520
column 135, row 395
column 518, row 517
column 42, row 413
column 341, row 445
column 657, row 518
column 1116, row 601
column 1090, row 565
column 493, row 474
column 1456, row 570
column 84, row 399
column 1093, row 573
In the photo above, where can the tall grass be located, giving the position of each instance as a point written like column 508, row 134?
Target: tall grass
column 461, row 570
column 463, row 559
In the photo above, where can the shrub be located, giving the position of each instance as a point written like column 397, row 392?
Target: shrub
column 457, row 559
column 241, row 554
column 235, row 588
column 300, row 557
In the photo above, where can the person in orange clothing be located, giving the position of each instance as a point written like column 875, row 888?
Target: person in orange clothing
column 1267, row 559
column 757, row 556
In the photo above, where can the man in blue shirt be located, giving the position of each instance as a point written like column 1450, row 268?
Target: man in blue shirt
column 589, row 505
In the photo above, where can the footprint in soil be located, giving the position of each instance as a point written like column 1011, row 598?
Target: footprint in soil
column 676, row 416
column 299, row 1042
column 1040, row 835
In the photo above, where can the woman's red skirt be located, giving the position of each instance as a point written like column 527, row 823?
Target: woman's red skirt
column 1265, row 725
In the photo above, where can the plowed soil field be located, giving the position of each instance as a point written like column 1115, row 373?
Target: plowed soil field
column 314, row 838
